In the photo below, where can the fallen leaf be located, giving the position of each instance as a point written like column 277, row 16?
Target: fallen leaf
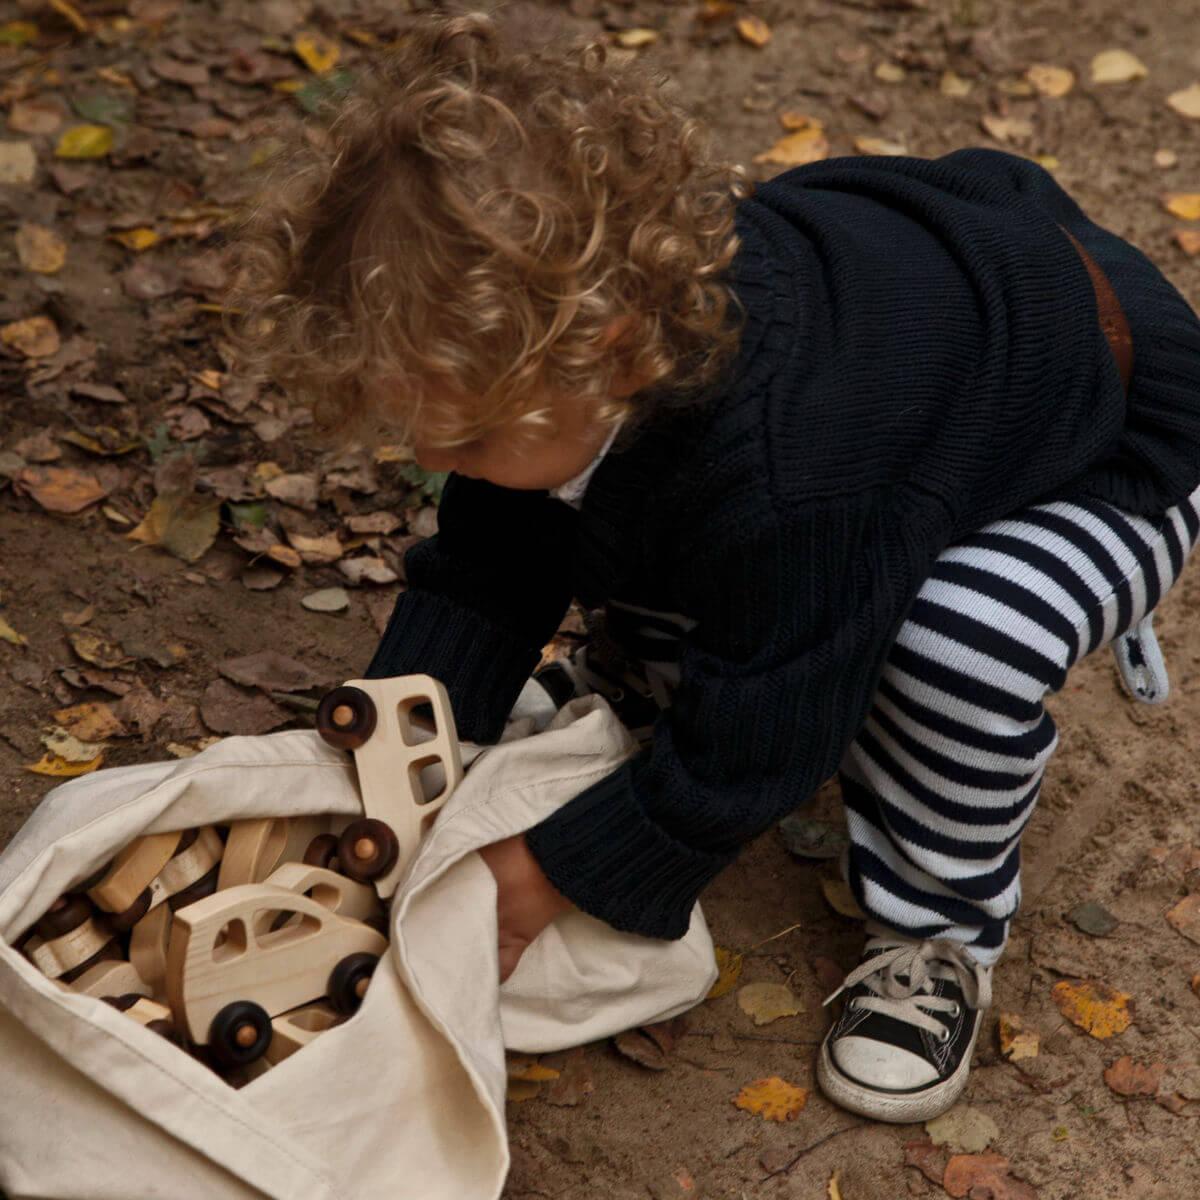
column 1007, row 129
column 18, row 163
column 376, row 522
column 182, row 524
column 61, row 489
column 520, row 1090
column 643, row 1050
column 138, row 239
column 319, row 551
column 18, row 33
column 929, row 1159
column 10, row 635
column 71, row 749
column 890, row 72
column 1183, row 204
column 100, row 392
column 809, row 837
column 832, row 1189
column 984, row 1177
column 1050, row 81
column 97, row 649
column 146, row 280
column 1093, row 919
column 635, row 39
column 72, row 14
column 878, row 145
column 729, row 971
column 1165, row 158
column 841, row 899
column 60, row 768
column 41, row 114
column 40, row 249
column 317, row 52
column 1015, row 1042
column 792, row 120
column 228, row 709
column 530, row 1070
column 1188, row 240
column 753, row 30
column 1117, row 66
column 300, row 491
column 767, row 1002
column 772, row 1098
column 92, row 722
column 35, row 337
column 85, row 141
column 964, row 1129
column 366, row 568
column 803, row 146
column 327, row 600
column 1186, row 102
column 573, row 1083
column 1129, row 1078
column 271, row 671
column 39, row 448
column 1094, row 1007
column 1185, row 917
column 955, row 85
column 259, row 578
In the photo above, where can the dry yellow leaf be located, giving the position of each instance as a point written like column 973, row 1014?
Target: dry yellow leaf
column 1188, row 240
column 364, row 37
column 40, row 249
column 715, row 10
column 1048, row 161
column 891, row 72
column 51, row 764
column 1095, row 1007
column 1015, row 1042
column 90, row 722
column 531, row 1071
column 1183, row 204
column 317, row 52
column 18, row 33
column 1117, row 66
column 85, row 141
column 184, row 525
column 35, row 337
column 520, row 1090
column 955, row 85
column 1186, row 102
column 841, row 899
column 803, row 146
column 772, row 1098
column 832, row 1188
column 878, row 145
column 729, row 971
column 72, row 14
column 754, row 30
column 767, row 1002
column 1007, row 129
column 112, row 75
column 635, row 39
column 1050, row 81
column 10, row 635
column 792, row 120
column 139, row 239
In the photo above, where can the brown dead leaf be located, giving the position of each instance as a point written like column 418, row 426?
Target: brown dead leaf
column 1185, row 917
column 61, row 489
column 804, row 146
column 367, row 568
column 1188, row 240
column 767, row 1002
column 10, row 635
column 984, row 1177
column 40, row 249
column 90, row 722
column 792, row 121
column 772, row 1098
column 520, row 1090
column 319, row 551
column 638, row 1048
column 270, row 671
column 97, row 649
column 1015, row 1042
column 1094, row 1007
column 184, row 525
column 39, row 447
column 377, row 522
column 228, row 709
column 891, row 72
column 754, row 31
column 729, row 971
column 18, row 163
column 841, row 899
column 929, row 1159
column 300, row 491
column 1007, row 129
column 1129, row 1078
column 35, row 337
column 41, row 114
column 573, row 1083
column 878, row 145
column 51, row 764
column 954, row 85
column 1050, row 81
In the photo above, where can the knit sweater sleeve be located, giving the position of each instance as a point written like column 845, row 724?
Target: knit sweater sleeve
column 774, row 683
column 484, row 595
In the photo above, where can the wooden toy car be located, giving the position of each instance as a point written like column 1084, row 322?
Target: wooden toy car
column 295, row 1029
column 111, row 978
column 124, row 890
column 338, row 893
column 67, row 938
column 406, row 770
column 256, row 847
column 229, row 971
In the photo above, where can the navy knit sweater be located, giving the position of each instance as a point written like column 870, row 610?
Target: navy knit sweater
column 921, row 355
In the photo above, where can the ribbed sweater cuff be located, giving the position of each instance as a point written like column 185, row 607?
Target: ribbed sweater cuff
column 482, row 665
column 606, row 856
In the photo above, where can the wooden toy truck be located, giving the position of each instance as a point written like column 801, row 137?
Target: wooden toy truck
column 406, row 770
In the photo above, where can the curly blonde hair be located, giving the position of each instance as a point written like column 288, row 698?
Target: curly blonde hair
column 471, row 225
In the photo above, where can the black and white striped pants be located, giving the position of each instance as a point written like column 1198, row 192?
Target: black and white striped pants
column 942, row 778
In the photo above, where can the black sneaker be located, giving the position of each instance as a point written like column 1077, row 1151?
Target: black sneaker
column 901, row 1048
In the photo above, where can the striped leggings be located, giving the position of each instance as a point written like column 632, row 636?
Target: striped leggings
column 943, row 776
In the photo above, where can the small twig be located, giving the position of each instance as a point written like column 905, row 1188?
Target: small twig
column 774, row 936
column 810, row 1148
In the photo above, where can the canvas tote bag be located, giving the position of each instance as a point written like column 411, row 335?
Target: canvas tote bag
column 403, row 1100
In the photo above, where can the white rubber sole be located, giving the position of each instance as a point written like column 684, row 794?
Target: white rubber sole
column 902, row 1109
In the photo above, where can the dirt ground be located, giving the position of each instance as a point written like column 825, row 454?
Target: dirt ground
column 191, row 91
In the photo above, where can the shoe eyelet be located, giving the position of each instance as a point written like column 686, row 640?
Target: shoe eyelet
column 617, row 694
column 954, row 1012
column 944, row 1036
column 853, row 1003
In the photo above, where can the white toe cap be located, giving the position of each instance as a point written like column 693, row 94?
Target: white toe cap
column 880, row 1065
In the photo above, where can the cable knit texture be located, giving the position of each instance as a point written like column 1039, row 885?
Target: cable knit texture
column 922, row 355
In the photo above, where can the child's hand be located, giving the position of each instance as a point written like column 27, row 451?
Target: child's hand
column 526, row 901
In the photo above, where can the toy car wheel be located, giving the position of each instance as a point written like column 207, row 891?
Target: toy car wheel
column 348, row 982
column 186, row 838
column 133, row 914
column 65, row 914
column 204, row 886
column 322, row 852
column 367, row 849
column 239, row 1034
column 346, row 717
column 122, row 1003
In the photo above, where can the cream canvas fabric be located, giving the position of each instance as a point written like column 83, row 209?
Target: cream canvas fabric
column 406, row 1098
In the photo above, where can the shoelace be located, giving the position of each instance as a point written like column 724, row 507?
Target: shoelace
column 923, row 963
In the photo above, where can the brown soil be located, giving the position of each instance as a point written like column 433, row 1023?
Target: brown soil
column 1122, row 785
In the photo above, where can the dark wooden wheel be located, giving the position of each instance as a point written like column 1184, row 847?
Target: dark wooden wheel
column 323, row 852
column 133, row 914
column 65, row 914
column 122, row 1003
column 94, row 878
column 204, row 886
column 186, row 838
column 110, row 952
column 367, row 849
column 239, row 1034
column 346, row 717
column 348, row 982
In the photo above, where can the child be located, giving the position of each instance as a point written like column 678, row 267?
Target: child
column 860, row 462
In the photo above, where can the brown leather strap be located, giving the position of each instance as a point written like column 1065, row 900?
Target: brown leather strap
column 1112, row 316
